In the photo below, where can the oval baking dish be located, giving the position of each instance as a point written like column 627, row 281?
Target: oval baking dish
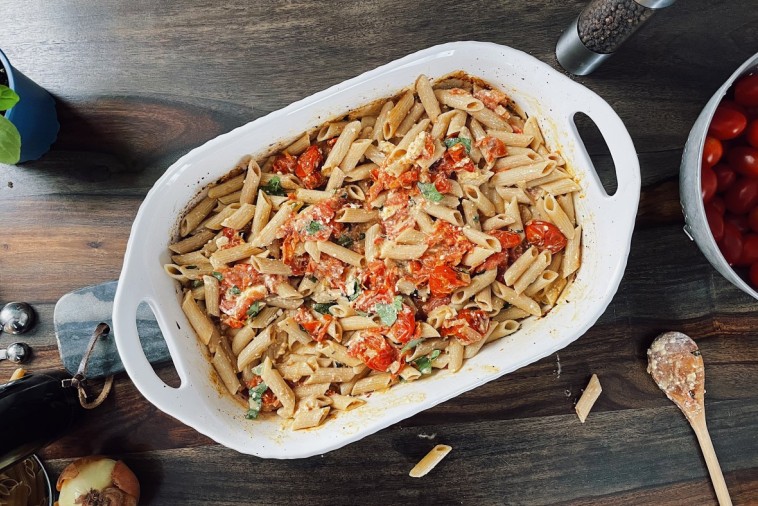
column 608, row 222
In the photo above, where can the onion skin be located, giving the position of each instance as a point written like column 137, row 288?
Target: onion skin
column 124, row 489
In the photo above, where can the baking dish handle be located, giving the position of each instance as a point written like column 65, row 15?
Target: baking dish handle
column 620, row 145
column 128, row 297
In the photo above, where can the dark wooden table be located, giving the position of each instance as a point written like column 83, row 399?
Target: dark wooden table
column 140, row 83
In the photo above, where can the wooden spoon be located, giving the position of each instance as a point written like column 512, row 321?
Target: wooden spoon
column 676, row 365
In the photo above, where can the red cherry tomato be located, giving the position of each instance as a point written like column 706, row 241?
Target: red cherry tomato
column 731, row 104
column 754, row 275
column 751, row 133
column 749, row 249
column 718, row 204
column 465, row 321
column 731, row 244
column 404, row 327
column 712, row 151
column 715, row 222
column 545, row 235
column 373, row 350
column 725, row 176
column 309, row 167
column 708, row 184
column 753, row 219
column 744, row 159
column 743, row 196
column 746, row 91
column 444, row 280
column 739, row 221
column 727, row 123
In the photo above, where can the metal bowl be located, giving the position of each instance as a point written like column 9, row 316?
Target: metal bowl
column 696, row 225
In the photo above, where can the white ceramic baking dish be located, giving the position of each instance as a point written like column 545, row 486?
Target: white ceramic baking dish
column 608, row 222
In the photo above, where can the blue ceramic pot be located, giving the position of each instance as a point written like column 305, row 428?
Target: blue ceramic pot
column 34, row 115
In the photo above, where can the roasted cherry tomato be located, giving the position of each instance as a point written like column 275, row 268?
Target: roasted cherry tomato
column 715, row 222
column 744, row 159
column 404, row 327
column 373, row 349
column 749, row 249
column 468, row 326
column 746, row 91
column 708, row 184
column 712, row 151
column 754, row 275
column 545, row 235
column 309, row 167
column 284, row 164
column 507, row 238
column 743, row 196
column 727, row 123
column 731, row 244
column 751, row 133
column 725, row 176
column 753, row 219
column 444, row 280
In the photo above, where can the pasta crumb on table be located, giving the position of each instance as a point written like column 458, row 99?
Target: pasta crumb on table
column 385, row 244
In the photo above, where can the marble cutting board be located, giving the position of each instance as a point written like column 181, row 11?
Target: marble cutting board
column 78, row 313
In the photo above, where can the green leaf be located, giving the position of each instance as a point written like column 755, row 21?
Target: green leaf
column 345, row 241
column 397, row 303
column 387, row 313
column 274, row 187
column 254, row 309
column 197, row 283
column 217, row 275
column 256, row 400
column 323, row 307
column 10, row 142
column 430, row 192
column 8, row 98
column 459, row 140
column 235, row 290
column 424, row 364
column 411, row 344
column 313, row 227
column 258, row 369
column 356, row 290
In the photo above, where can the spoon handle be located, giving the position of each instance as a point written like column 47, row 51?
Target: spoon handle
column 706, row 446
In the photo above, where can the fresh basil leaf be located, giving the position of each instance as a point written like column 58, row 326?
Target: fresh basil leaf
column 397, row 303
column 356, row 290
column 387, row 313
column 258, row 390
column 411, row 344
column 254, row 309
column 313, row 227
column 424, row 364
column 197, row 283
column 430, row 192
column 8, row 98
column 258, row 369
column 252, row 414
column 235, row 290
column 345, row 241
column 217, row 275
column 323, row 307
column 459, row 140
column 274, row 187
column 255, row 401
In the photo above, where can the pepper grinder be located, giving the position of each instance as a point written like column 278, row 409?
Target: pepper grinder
column 600, row 30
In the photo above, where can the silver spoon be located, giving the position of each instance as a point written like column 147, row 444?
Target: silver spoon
column 16, row 317
column 16, row 353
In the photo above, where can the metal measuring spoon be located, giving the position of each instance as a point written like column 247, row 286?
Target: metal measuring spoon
column 16, row 317
column 16, row 353
column 676, row 365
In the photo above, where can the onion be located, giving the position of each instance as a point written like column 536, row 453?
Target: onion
column 97, row 481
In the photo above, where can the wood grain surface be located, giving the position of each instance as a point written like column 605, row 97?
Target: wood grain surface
column 140, row 83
